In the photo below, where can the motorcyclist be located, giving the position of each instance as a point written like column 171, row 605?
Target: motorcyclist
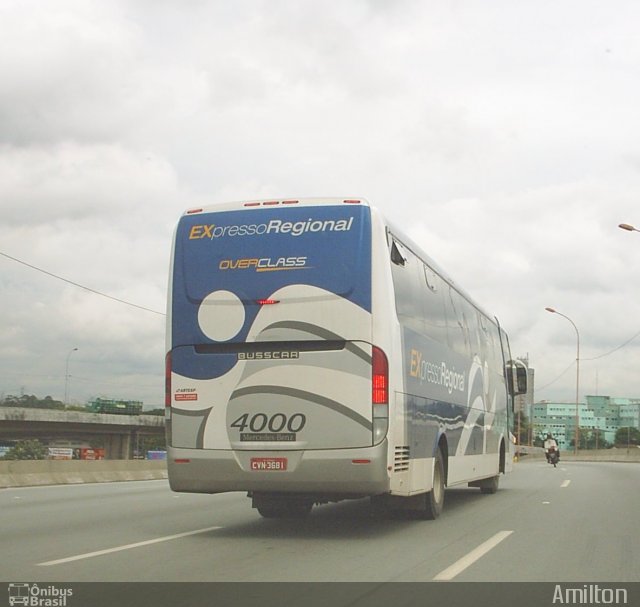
column 550, row 443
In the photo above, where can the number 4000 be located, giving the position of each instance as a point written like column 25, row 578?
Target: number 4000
column 276, row 423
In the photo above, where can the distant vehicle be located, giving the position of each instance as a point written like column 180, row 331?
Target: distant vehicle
column 120, row 407
column 554, row 456
column 314, row 354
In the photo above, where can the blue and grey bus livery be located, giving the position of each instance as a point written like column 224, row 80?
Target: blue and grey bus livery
column 315, row 354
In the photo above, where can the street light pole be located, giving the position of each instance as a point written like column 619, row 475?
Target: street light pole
column 553, row 311
column 629, row 228
column 66, row 377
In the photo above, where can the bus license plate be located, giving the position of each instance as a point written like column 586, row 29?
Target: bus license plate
column 268, row 463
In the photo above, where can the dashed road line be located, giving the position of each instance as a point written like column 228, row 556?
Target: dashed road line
column 466, row 561
column 565, row 484
column 157, row 540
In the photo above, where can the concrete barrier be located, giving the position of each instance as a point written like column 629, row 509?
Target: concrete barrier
column 592, row 455
column 603, row 455
column 25, row 473
column 524, row 452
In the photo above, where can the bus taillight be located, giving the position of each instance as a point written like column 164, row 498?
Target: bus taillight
column 379, row 377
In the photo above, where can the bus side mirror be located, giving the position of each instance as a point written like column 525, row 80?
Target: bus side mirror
column 521, row 380
column 517, row 381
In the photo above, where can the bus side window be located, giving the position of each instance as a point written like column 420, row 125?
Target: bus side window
column 430, row 278
column 432, row 296
column 491, row 338
column 406, row 283
column 456, row 329
column 474, row 331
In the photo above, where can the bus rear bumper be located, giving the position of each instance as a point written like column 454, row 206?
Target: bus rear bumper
column 341, row 473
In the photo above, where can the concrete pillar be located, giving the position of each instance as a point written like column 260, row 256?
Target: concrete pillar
column 118, row 446
column 126, row 446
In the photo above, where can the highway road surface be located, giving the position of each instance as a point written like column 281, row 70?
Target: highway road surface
column 579, row 522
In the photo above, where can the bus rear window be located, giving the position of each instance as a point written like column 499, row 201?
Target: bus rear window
column 249, row 255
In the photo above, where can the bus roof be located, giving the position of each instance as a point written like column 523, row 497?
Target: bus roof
column 270, row 203
column 275, row 202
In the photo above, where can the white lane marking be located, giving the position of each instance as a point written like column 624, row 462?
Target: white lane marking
column 546, row 502
column 459, row 566
column 565, row 484
column 157, row 540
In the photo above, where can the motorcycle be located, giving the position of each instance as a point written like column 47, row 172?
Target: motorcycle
column 553, row 456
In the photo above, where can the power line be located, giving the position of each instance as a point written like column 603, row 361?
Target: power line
column 615, row 349
column 75, row 284
column 556, row 379
column 622, row 345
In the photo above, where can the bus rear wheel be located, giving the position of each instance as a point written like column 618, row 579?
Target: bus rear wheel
column 490, row 485
column 434, row 499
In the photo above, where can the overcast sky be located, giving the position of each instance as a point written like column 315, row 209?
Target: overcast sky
column 503, row 136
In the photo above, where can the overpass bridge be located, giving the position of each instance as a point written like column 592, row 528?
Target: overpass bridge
column 119, row 434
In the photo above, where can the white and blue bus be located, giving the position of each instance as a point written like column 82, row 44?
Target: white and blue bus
column 315, row 354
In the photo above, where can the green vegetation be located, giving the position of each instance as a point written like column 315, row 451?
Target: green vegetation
column 30, row 400
column 592, row 439
column 627, row 436
column 27, row 449
column 522, row 421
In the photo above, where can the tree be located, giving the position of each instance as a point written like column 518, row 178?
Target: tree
column 592, row 439
column 627, row 436
column 525, row 428
column 27, row 449
column 32, row 401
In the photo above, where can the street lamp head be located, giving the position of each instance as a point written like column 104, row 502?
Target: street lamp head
column 550, row 310
column 628, row 227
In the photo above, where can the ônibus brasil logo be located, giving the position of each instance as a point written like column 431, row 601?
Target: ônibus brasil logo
column 34, row 595
column 275, row 226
